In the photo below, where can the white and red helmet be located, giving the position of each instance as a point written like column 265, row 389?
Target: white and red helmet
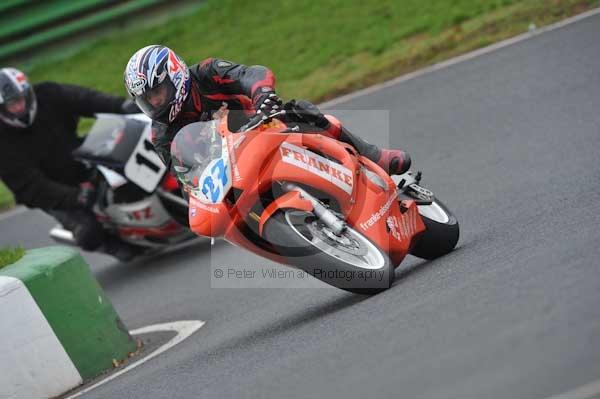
column 14, row 89
column 159, row 82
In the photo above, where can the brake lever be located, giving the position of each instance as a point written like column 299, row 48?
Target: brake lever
column 259, row 119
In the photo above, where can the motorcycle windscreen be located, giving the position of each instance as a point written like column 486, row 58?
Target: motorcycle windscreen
column 110, row 141
column 201, row 161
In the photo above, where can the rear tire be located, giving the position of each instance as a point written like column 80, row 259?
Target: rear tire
column 441, row 233
column 305, row 248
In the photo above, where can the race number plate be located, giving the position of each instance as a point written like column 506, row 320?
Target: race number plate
column 215, row 181
column 144, row 167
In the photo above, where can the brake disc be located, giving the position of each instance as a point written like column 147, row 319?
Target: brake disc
column 343, row 242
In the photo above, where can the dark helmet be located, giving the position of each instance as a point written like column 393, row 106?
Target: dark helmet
column 17, row 99
column 158, row 81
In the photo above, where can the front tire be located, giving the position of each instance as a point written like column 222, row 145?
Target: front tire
column 350, row 261
column 441, row 231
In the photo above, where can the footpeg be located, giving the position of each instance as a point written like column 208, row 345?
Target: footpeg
column 422, row 195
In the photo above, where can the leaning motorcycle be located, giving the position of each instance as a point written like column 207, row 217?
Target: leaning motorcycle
column 138, row 201
column 307, row 201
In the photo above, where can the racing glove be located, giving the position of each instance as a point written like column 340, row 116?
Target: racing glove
column 267, row 102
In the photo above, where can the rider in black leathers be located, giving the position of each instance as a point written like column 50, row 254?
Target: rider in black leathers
column 173, row 95
column 38, row 132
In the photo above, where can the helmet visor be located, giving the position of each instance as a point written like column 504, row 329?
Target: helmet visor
column 18, row 106
column 158, row 100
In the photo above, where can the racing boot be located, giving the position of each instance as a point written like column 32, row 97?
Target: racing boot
column 394, row 162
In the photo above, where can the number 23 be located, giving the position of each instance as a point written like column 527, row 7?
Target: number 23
column 218, row 171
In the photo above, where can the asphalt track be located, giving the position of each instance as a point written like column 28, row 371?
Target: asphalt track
column 511, row 141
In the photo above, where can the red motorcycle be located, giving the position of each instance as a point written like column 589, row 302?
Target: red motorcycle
column 308, row 201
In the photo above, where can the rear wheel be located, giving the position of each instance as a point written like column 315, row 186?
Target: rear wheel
column 441, row 234
column 348, row 261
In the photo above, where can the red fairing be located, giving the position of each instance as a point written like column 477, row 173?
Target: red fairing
column 266, row 155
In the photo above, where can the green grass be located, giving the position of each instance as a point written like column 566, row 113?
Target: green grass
column 10, row 255
column 317, row 49
column 6, row 197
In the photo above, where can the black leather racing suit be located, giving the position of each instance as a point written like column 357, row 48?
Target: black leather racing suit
column 216, row 81
column 36, row 162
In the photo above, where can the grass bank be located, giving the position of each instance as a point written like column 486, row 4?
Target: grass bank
column 6, row 198
column 317, row 49
column 9, row 255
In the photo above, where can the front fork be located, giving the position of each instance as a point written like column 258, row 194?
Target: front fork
column 328, row 218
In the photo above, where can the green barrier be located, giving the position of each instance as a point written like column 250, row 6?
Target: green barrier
column 29, row 16
column 76, row 308
column 8, row 5
column 74, row 27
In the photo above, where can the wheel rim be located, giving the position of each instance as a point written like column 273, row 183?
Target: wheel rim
column 434, row 212
column 351, row 247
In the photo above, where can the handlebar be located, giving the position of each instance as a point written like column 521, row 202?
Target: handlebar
column 258, row 120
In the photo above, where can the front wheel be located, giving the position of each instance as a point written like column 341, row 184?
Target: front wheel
column 441, row 231
column 348, row 261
